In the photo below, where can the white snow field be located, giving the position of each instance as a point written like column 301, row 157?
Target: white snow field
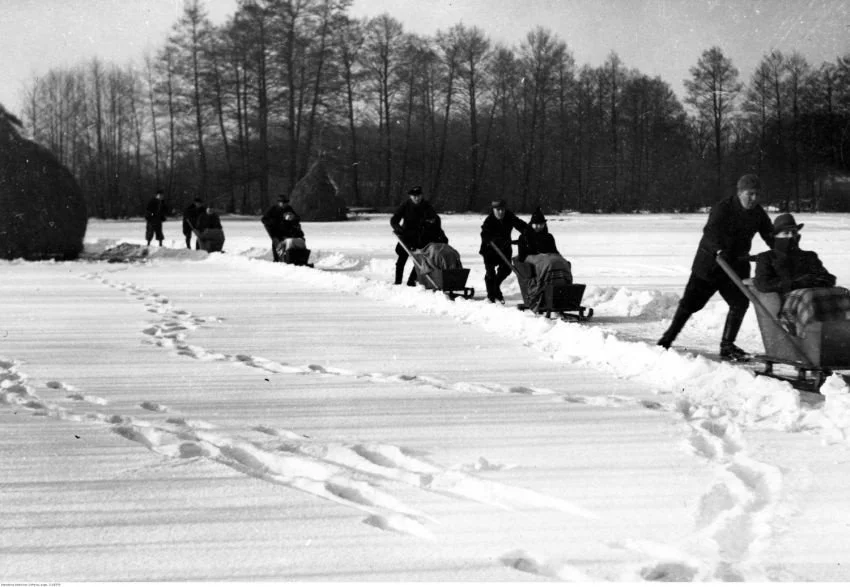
column 219, row 417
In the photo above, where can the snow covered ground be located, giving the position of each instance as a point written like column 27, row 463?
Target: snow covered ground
column 215, row 417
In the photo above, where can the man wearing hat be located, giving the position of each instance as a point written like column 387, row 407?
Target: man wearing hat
column 496, row 229
column 407, row 223
column 273, row 221
column 786, row 266
column 729, row 231
column 537, row 239
column 190, row 221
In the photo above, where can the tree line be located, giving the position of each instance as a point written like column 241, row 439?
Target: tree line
column 237, row 113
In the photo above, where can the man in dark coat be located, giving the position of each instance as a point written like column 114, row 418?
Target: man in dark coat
column 291, row 241
column 786, row 266
column 407, row 225
column 537, row 239
column 272, row 221
column 290, row 225
column 496, row 229
column 155, row 214
column 190, row 221
column 731, row 226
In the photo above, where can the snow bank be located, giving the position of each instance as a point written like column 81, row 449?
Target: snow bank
column 694, row 382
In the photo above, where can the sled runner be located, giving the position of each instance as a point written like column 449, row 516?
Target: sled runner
column 451, row 282
column 814, row 352
column 559, row 298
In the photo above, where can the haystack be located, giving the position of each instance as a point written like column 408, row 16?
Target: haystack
column 315, row 196
column 42, row 210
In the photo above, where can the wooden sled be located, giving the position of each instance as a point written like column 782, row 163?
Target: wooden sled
column 562, row 300
column 296, row 257
column 451, row 282
column 820, row 349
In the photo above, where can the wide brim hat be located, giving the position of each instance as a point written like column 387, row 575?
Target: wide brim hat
column 785, row 222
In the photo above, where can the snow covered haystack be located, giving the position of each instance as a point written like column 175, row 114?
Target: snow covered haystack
column 44, row 213
column 315, row 197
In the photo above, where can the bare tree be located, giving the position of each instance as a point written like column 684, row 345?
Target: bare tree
column 473, row 60
column 383, row 46
column 712, row 92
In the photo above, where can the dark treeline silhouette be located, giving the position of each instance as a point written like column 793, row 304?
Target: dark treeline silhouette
column 238, row 113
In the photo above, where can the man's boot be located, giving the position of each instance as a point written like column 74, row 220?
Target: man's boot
column 488, row 283
column 728, row 349
column 399, row 272
column 679, row 319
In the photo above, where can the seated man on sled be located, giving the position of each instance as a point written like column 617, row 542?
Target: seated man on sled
column 209, row 231
column 538, row 262
column 433, row 250
column 807, row 289
column 290, row 244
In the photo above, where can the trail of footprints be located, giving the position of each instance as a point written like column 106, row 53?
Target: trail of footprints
column 170, row 329
column 735, row 518
column 738, row 512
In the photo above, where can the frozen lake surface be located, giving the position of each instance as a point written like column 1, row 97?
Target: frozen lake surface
column 219, row 417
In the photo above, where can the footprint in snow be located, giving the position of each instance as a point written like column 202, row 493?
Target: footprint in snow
column 670, row 572
column 535, row 565
column 153, row 406
column 91, row 399
column 483, row 465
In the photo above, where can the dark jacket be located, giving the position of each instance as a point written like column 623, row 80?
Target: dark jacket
column 190, row 217
column 431, row 231
column 730, row 228
column 156, row 210
column 499, row 232
column 532, row 242
column 290, row 228
column 782, row 273
column 208, row 220
column 408, row 219
column 272, row 220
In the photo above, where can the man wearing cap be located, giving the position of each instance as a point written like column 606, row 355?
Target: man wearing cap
column 496, row 229
column 155, row 214
column 407, row 223
column 273, row 221
column 190, row 221
column 729, row 231
column 786, row 266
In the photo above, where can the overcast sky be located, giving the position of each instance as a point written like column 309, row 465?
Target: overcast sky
column 657, row 37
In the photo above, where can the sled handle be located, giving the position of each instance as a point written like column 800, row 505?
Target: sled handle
column 801, row 354
column 505, row 259
column 416, row 263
